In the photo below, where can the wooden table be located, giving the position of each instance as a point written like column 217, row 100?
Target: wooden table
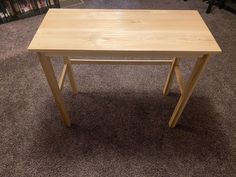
column 146, row 35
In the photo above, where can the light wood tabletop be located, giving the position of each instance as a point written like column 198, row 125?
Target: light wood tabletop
column 175, row 34
column 166, row 31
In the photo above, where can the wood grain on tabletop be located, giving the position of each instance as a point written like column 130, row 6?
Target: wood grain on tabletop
column 124, row 30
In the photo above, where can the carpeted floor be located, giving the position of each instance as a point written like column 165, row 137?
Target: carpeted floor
column 119, row 116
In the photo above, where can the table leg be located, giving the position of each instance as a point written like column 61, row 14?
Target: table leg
column 71, row 75
column 170, row 77
column 52, row 81
column 194, row 77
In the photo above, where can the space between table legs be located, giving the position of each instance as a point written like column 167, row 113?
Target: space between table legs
column 52, row 81
column 188, row 89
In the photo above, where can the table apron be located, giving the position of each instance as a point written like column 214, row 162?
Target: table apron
column 123, row 55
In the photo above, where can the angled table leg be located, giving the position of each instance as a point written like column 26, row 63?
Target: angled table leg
column 170, row 77
column 52, row 81
column 190, row 85
column 71, row 75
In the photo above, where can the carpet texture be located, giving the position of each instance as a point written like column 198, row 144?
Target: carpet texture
column 119, row 115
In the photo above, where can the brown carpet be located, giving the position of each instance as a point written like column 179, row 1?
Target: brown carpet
column 119, row 116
